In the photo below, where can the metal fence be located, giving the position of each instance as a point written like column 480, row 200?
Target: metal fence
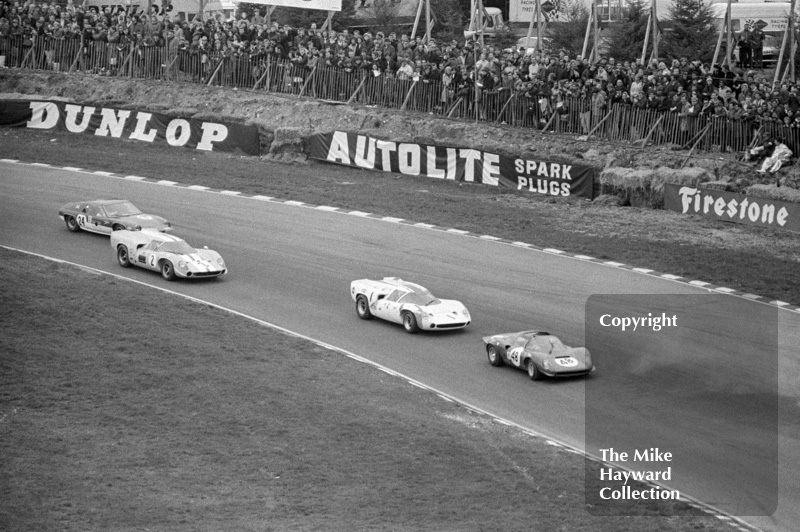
column 574, row 116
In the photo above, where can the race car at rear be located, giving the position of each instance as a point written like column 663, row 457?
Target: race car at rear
column 173, row 257
column 398, row 301
column 105, row 216
column 539, row 354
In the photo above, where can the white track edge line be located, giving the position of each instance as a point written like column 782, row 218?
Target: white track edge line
column 548, row 251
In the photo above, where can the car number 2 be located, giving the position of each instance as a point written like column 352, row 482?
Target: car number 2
column 514, row 355
column 153, row 261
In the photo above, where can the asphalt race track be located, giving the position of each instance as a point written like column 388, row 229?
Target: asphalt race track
column 292, row 266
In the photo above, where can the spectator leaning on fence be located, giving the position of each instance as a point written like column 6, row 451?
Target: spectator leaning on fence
column 685, row 86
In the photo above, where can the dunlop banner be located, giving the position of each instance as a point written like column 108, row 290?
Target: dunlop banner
column 130, row 124
column 732, row 207
column 458, row 164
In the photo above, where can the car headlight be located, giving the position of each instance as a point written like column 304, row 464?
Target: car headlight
column 546, row 364
column 466, row 313
column 221, row 262
column 136, row 228
column 182, row 265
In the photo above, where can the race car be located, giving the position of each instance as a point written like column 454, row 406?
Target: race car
column 167, row 254
column 400, row 301
column 106, row 216
column 539, row 353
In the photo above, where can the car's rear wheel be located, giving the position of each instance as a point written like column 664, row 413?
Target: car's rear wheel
column 410, row 322
column 533, row 371
column 167, row 270
column 118, row 227
column 362, row 308
column 122, row 256
column 72, row 224
column 494, row 357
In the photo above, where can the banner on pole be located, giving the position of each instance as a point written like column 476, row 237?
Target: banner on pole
column 323, row 5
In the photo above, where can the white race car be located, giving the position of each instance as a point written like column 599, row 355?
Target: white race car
column 167, row 254
column 399, row 301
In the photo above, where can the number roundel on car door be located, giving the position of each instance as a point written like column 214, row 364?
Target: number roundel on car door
column 514, row 355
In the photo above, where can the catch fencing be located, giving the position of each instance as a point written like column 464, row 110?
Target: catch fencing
column 573, row 116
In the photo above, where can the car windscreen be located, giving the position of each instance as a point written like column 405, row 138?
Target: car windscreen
column 421, row 299
column 545, row 343
column 179, row 248
column 123, row 208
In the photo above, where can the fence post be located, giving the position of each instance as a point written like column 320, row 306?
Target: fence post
column 216, row 70
column 550, row 121
column 454, row 106
column 77, row 56
column 408, row 95
column 650, row 133
column 500, row 114
column 600, row 123
column 699, row 138
column 264, row 75
column 308, row 80
column 358, row 89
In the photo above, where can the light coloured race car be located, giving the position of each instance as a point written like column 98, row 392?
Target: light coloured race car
column 167, row 254
column 106, row 216
column 399, row 301
column 539, row 353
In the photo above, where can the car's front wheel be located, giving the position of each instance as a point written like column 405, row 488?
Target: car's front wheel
column 122, row 256
column 362, row 308
column 410, row 322
column 72, row 224
column 118, row 227
column 533, row 371
column 167, row 270
column 494, row 357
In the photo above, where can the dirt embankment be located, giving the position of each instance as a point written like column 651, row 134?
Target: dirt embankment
column 632, row 174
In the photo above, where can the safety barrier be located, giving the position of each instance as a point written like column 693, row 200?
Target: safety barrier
column 575, row 116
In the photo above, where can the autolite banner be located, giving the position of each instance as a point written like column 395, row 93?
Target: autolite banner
column 732, row 207
column 130, row 124
column 457, row 164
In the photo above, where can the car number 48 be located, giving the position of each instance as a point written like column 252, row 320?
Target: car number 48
column 514, row 354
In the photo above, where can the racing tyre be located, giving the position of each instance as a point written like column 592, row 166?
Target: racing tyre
column 494, row 357
column 122, row 256
column 362, row 308
column 72, row 224
column 167, row 270
column 410, row 322
column 533, row 371
column 118, row 227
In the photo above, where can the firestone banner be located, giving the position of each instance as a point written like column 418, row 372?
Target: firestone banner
column 732, row 207
column 130, row 124
column 458, row 164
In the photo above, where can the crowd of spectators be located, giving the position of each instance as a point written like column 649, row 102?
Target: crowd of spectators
column 548, row 79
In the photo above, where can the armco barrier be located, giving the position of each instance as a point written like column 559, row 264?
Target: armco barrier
column 264, row 72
